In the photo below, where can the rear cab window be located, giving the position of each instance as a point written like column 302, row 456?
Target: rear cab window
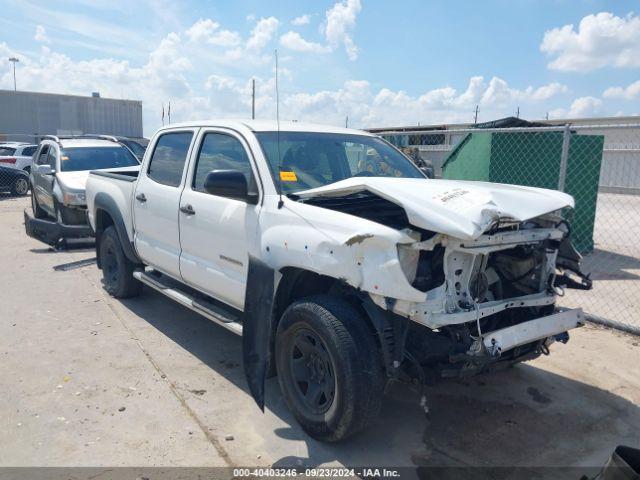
column 169, row 156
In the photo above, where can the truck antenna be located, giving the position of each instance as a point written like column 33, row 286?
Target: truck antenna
column 280, row 201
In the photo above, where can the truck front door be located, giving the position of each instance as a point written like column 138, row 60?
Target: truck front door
column 215, row 231
column 156, row 201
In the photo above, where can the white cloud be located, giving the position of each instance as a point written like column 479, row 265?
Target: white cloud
column 262, row 33
column 547, row 91
column 41, row 35
column 293, row 41
column 498, row 93
column 582, row 107
column 601, row 40
column 208, row 31
column 301, row 20
column 631, row 92
column 340, row 21
column 205, row 76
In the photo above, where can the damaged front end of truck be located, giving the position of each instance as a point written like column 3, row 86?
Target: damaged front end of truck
column 481, row 266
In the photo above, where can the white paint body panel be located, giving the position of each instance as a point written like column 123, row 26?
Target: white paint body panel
column 156, row 222
column 214, row 246
column 461, row 209
column 77, row 181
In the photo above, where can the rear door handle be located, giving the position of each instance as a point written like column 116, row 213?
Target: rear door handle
column 141, row 198
column 188, row 209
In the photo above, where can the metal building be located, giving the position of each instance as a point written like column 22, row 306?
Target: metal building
column 24, row 116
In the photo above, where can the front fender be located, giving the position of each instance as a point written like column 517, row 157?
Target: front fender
column 362, row 253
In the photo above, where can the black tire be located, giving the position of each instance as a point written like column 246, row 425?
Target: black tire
column 37, row 211
column 20, row 187
column 344, row 351
column 117, row 269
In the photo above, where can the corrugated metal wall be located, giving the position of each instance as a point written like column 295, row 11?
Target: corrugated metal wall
column 30, row 113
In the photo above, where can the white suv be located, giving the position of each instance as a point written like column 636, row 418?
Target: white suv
column 17, row 155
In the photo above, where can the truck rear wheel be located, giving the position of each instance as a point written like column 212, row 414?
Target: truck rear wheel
column 329, row 367
column 117, row 269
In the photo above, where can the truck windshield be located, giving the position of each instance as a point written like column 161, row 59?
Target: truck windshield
column 95, row 158
column 311, row 160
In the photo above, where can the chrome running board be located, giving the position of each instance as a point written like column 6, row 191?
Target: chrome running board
column 170, row 288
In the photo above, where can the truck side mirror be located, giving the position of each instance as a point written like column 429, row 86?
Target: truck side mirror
column 44, row 170
column 230, row 184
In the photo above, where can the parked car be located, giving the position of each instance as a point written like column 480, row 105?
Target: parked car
column 14, row 181
column 60, row 170
column 337, row 260
column 17, row 155
column 136, row 145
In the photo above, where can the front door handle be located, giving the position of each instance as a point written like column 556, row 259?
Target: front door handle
column 188, row 209
column 141, row 198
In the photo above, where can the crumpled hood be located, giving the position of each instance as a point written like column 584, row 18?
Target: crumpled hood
column 77, row 181
column 461, row 209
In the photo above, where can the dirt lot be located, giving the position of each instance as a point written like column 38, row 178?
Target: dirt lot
column 86, row 380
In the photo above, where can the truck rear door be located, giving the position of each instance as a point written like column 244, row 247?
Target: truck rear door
column 157, row 198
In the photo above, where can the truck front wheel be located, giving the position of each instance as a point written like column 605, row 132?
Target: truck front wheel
column 117, row 269
column 329, row 367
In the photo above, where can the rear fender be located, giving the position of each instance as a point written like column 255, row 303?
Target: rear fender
column 104, row 202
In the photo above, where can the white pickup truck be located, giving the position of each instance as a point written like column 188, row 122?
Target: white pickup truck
column 337, row 260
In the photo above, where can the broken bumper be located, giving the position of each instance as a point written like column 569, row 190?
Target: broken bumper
column 51, row 232
column 547, row 327
column 518, row 343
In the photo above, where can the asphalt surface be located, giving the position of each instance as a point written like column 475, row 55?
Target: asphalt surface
column 87, row 380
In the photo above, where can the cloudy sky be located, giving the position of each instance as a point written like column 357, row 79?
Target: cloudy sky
column 378, row 62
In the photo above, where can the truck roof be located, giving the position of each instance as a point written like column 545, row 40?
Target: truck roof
column 267, row 126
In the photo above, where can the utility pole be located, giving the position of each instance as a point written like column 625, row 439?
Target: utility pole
column 346, row 122
column 14, row 60
column 518, row 113
column 253, row 99
column 547, row 116
column 475, row 119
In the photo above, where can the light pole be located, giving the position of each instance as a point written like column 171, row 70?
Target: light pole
column 14, row 60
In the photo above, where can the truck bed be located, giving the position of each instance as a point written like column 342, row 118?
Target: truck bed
column 112, row 190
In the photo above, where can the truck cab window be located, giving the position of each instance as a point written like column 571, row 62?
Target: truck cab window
column 168, row 159
column 220, row 151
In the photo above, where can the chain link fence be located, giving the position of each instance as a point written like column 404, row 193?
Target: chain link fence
column 598, row 165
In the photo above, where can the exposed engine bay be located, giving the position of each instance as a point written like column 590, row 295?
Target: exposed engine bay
column 478, row 291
